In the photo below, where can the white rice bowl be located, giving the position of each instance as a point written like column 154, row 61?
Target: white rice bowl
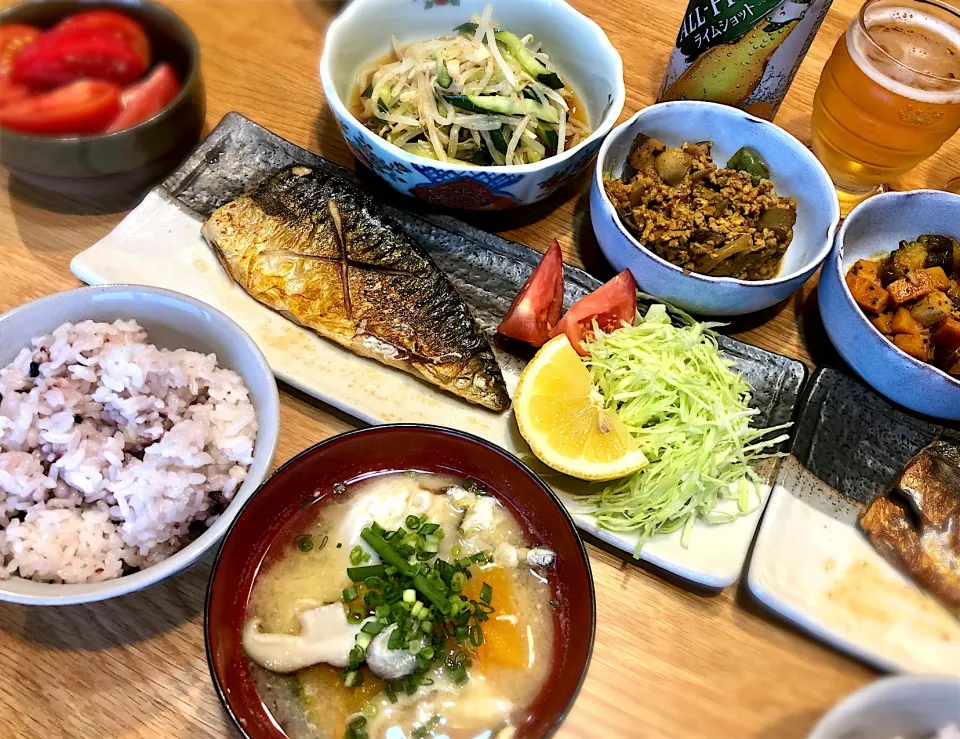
column 114, row 454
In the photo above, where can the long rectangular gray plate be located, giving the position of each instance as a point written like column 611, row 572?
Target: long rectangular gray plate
column 486, row 269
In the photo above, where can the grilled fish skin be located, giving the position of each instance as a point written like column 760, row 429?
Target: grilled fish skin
column 316, row 248
column 916, row 524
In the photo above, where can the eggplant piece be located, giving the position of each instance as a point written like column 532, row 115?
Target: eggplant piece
column 909, row 257
column 781, row 221
column 939, row 251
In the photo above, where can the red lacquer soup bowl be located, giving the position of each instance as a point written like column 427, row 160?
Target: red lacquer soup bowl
column 311, row 476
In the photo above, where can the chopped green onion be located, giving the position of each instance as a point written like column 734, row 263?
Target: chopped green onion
column 360, row 574
column 350, row 594
column 372, row 627
column 363, row 640
column 357, row 722
column 396, row 640
column 355, row 617
column 354, row 679
column 486, row 593
column 417, row 608
column 304, row 543
column 412, row 523
column 456, row 550
column 358, row 556
column 409, row 596
column 476, row 636
column 459, row 676
column 429, row 528
column 458, row 581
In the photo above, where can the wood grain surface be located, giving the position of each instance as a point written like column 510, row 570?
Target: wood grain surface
column 668, row 662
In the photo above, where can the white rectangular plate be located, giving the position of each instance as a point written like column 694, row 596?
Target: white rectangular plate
column 811, row 563
column 159, row 244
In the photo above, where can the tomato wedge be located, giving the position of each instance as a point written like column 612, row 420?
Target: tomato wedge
column 11, row 92
column 538, row 305
column 84, row 107
column 126, row 28
column 13, row 38
column 61, row 57
column 146, row 99
column 610, row 304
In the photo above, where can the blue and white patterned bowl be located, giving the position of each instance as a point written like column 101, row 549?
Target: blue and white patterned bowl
column 577, row 45
column 878, row 225
column 795, row 172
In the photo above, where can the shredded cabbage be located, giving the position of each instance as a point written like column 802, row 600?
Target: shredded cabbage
column 405, row 103
column 689, row 412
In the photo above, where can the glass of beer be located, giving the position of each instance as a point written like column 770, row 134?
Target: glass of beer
column 889, row 95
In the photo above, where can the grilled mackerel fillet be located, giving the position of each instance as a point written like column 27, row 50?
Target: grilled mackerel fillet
column 315, row 248
column 916, row 524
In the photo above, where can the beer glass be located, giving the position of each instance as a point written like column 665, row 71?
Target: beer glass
column 889, row 95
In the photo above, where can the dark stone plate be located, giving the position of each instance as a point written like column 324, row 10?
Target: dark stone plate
column 486, row 269
column 854, row 439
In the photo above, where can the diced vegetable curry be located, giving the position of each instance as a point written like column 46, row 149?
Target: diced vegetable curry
column 912, row 297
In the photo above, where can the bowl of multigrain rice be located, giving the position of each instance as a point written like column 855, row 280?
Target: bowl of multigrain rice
column 134, row 424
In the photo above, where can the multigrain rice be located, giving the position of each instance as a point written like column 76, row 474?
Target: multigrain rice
column 113, row 452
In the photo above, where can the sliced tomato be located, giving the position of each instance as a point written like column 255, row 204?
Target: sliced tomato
column 59, row 58
column 11, row 92
column 123, row 26
column 610, row 304
column 146, row 99
column 84, row 107
column 13, row 38
column 538, row 305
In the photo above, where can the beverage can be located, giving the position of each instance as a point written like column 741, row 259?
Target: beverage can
column 742, row 53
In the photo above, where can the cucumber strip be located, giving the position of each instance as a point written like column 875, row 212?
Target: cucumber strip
column 499, row 105
column 548, row 136
column 499, row 142
column 526, row 60
column 443, row 76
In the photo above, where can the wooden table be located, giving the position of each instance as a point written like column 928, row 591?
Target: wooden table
column 668, row 662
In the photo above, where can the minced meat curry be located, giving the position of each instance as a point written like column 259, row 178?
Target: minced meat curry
column 726, row 222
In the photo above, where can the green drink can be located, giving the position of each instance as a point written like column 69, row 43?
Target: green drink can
column 742, row 53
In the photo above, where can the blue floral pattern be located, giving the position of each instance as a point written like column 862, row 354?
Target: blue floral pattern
column 393, row 171
column 474, row 190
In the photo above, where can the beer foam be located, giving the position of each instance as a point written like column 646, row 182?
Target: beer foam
column 899, row 78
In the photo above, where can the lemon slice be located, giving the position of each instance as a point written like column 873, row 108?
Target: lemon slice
column 561, row 416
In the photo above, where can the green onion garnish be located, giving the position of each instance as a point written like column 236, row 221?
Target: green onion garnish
column 350, row 594
column 304, row 543
column 353, row 679
column 486, row 593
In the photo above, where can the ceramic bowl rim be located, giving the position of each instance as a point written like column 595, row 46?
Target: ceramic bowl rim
column 511, row 459
column 837, row 266
column 186, row 86
column 268, row 433
column 859, row 700
column 606, row 124
column 733, row 113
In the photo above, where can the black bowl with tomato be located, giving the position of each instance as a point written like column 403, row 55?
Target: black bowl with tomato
column 97, row 96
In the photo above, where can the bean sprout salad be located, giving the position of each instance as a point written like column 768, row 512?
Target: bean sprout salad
column 483, row 96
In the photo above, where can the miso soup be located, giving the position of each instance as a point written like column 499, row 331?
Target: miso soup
column 410, row 605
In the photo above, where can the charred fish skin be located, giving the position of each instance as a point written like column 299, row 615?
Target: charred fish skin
column 317, row 249
column 916, row 524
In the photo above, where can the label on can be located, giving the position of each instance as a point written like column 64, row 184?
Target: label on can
column 741, row 52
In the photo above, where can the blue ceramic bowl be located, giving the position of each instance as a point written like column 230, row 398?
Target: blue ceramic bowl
column 578, row 46
column 795, row 172
column 878, row 225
